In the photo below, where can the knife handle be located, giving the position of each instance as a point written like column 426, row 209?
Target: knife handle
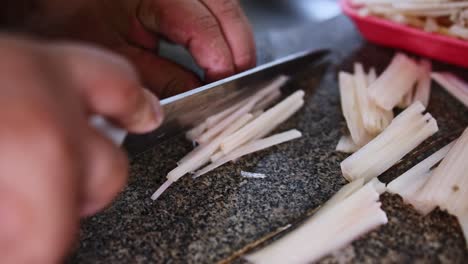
column 117, row 135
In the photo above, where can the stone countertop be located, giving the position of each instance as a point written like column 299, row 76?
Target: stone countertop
column 207, row 220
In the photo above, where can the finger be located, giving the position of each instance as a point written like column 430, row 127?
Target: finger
column 191, row 24
column 111, row 88
column 39, row 201
column 162, row 76
column 107, row 170
column 237, row 31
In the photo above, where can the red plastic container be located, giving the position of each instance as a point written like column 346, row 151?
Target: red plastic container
column 391, row 34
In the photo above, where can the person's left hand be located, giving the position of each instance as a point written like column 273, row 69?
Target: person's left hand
column 216, row 33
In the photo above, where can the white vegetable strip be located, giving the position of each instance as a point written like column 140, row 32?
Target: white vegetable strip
column 396, row 81
column 205, row 151
column 161, row 189
column 447, row 186
column 342, row 194
column 215, row 119
column 377, row 185
column 407, row 100
column 217, row 156
column 195, row 132
column 375, row 119
column 211, row 133
column 423, row 88
column 351, row 109
column 258, row 125
column 282, row 117
column 336, row 226
column 406, row 132
column 346, row 145
column 199, row 156
column 412, row 180
column 453, row 85
column 268, row 101
column 252, row 175
column 250, row 148
column 371, row 76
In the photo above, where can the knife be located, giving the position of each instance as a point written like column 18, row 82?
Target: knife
column 185, row 110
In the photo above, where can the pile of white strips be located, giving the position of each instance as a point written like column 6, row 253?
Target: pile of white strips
column 379, row 141
column 447, row 17
column 238, row 131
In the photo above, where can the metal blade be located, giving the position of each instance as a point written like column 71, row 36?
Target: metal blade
column 185, row 110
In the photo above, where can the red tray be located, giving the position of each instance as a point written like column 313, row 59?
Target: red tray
column 391, row 34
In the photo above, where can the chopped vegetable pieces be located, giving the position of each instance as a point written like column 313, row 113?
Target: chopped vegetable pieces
column 352, row 212
column 407, row 130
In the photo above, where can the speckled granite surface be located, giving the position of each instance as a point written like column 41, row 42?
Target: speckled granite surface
column 207, row 220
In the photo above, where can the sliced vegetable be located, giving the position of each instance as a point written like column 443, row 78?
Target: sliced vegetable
column 408, row 184
column 447, row 186
column 346, row 145
column 252, row 175
column 375, row 119
column 263, row 122
column 396, row 81
column 407, row 131
column 250, row 104
column 455, row 86
column 251, row 147
column 348, row 215
column 351, row 109
column 422, row 91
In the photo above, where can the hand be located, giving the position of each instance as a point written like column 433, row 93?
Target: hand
column 54, row 167
column 216, row 32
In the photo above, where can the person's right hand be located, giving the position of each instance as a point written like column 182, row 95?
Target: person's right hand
column 55, row 167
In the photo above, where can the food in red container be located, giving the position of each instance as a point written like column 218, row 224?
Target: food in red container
column 436, row 29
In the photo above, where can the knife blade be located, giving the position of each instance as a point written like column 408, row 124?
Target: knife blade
column 185, row 110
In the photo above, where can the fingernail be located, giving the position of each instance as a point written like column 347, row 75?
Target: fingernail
column 158, row 115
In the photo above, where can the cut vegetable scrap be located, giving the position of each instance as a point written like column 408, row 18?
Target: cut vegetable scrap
column 422, row 91
column 406, row 132
column 447, row 185
column 455, row 86
column 351, row 109
column 396, row 81
column 267, row 101
column 408, row 184
column 201, row 155
column 346, row 145
column 195, row 132
column 212, row 133
column 375, row 119
column 215, row 119
column 251, row 147
column 352, row 212
column 252, row 175
column 407, row 100
column 263, row 122
column 219, row 127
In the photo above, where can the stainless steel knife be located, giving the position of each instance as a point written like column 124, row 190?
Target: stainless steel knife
column 185, row 110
